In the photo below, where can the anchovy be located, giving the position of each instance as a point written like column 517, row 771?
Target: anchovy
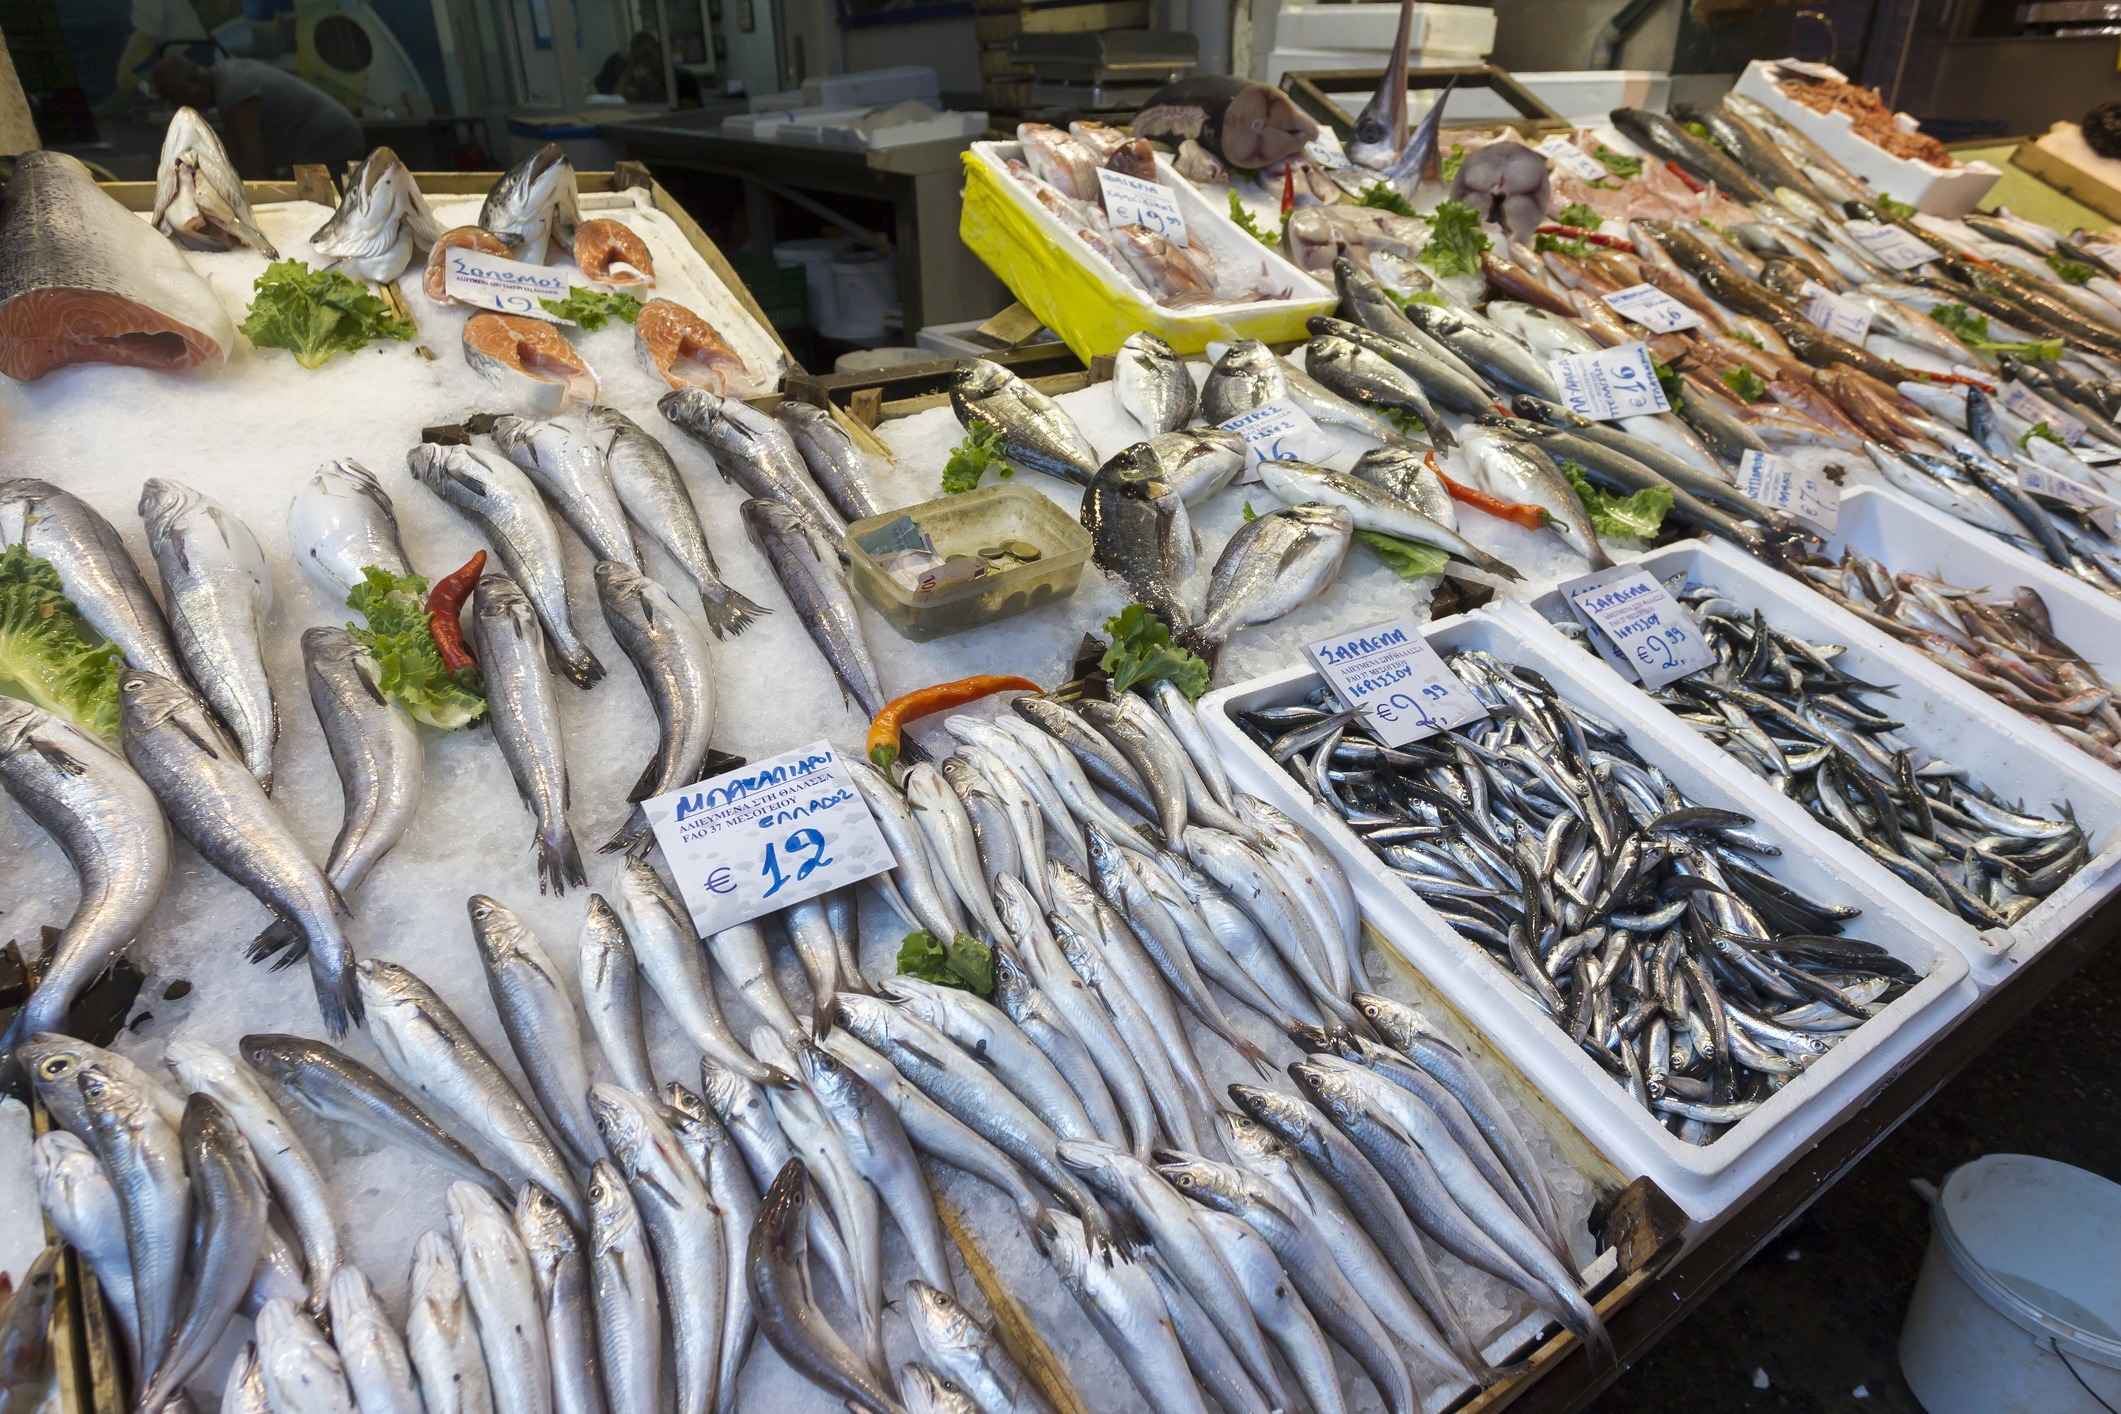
column 816, row 585
column 341, row 524
column 538, row 1016
column 787, row 1311
column 561, row 1274
column 526, row 722
column 837, row 465
column 629, row 1307
column 94, row 568
column 300, row 1370
column 378, row 1369
column 376, row 749
column 441, row 1334
column 1038, row 436
column 504, row 1297
column 570, row 469
column 752, row 450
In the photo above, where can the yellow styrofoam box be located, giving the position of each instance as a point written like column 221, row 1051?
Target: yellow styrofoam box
column 1093, row 308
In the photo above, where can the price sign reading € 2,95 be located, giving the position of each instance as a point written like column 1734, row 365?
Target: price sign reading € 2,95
column 1392, row 673
column 496, row 282
column 1637, row 626
column 1130, row 201
column 775, row 832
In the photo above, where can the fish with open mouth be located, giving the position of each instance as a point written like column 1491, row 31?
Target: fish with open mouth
column 534, row 204
column 199, row 199
column 381, row 222
column 1037, row 434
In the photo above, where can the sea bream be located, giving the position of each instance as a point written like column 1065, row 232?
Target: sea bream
column 199, row 199
column 1140, row 533
column 1038, row 435
column 1274, row 565
column 1152, row 384
column 83, row 280
column 382, row 220
column 340, row 524
column 534, row 204
column 1243, row 123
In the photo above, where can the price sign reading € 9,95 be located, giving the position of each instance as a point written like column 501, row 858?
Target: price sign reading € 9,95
column 1637, row 626
column 1392, row 673
column 773, row 833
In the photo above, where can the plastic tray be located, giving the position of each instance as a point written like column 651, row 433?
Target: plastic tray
column 1707, row 1181
column 963, row 525
column 1945, row 718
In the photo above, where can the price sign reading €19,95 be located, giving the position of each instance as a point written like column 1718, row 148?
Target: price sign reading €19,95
column 773, row 833
column 1637, row 626
column 1130, row 201
column 1392, row 673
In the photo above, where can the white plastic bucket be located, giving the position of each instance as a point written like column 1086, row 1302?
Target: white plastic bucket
column 815, row 254
column 864, row 287
column 2018, row 1308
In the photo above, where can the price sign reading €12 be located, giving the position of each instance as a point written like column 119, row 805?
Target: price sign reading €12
column 498, row 283
column 1130, row 201
column 1637, row 626
column 1392, row 673
column 773, row 833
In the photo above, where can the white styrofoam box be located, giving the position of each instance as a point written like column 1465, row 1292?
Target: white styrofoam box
column 1707, row 1181
column 873, row 88
column 1456, row 29
column 1947, row 718
column 788, row 98
column 814, row 125
column 1941, row 191
column 950, row 124
column 1908, row 536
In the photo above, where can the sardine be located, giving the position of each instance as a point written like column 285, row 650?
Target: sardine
column 375, row 747
column 538, row 1015
column 1152, row 384
column 441, row 1333
column 561, row 1274
column 378, row 1369
column 570, row 469
column 837, row 465
column 534, row 204
column 199, row 199
column 504, row 1297
column 300, row 1369
column 1037, row 434
column 341, row 523
column 526, row 722
column 94, row 568
column 629, row 1306
column 1273, row 566
column 816, row 585
column 752, row 450
column 676, row 666
column 611, row 994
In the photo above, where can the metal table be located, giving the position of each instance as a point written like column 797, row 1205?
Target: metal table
column 939, row 281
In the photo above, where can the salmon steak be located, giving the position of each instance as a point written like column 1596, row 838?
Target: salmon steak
column 485, row 242
column 83, row 280
column 610, row 253
column 685, row 351
column 529, row 360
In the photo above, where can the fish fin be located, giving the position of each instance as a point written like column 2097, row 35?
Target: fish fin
column 629, row 838
column 280, row 934
column 339, row 1000
column 821, row 1018
column 1251, row 1052
column 559, row 862
column 645, row 786
column 581, row 668
column 338, row 900
column 1495, row 566
column 732, row 615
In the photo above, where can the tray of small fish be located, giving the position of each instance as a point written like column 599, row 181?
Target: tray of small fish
column 1968, row 811
column 1850, row 986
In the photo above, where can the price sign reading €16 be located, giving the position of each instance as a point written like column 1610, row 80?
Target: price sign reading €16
column 1281, row 431
column 775, row 832
column 496, row 282
column 1609, row 384
column 1637, row 626
column 1130, row 201
column 1390, row 671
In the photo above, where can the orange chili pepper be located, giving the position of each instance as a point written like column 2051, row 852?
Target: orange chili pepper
column 884, row 731
column 1528, row 516
column 444, row 602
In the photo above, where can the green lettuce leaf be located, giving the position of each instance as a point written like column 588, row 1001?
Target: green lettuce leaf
column 1618, row 163
column 984, row 446
column 314, row 314
column 48, row 653
column 1621, row 517
column 593, row 309
column 1249, row 224
column 1891, row 207
column 1404, row 557
column 1384, row 198
column 1971, row 329
column 1581, row 216
column 1745, row 383
column 400, row 635
column 2072, row 272
column 1455, row 240
column 1142, row 651
column 964, row 962
column 2044, row 432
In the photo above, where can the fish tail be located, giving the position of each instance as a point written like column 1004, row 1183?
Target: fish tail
column 338, row 999
column 1252, row 1053
column 559, row 861
column 630, row 837
column 279, row 935
column 731, row 614
column 1484, row 560
column 821, row 1016
column 582, row 668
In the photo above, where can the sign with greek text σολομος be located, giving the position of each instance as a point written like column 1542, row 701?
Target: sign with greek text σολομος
column 2040, row 481
column 1843, row 318
column 1804, row 495
column 498, row 283
column 1637, row 625
column 1892, row 246
column 769, row 834
column 1130, row 201
column 1653, row 309
column 2035, row 409
column 1612, row 383
column 1280, row 431
column 1572, row 159
column 1390, row 671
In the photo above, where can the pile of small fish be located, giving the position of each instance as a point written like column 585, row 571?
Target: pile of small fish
column 2004, row 646
column 1639, row 922
column 1778, row 704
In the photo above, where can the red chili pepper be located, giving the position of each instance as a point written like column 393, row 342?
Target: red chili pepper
column 444, row 601
column 1691, row 184
column 1530, row 517
column 1288, row 188
column 1579, row 233
column 1970, row 382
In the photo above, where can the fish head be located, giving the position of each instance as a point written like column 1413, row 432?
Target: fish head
column 926, row 1392
column 148, row 700
column 110, row 1099
column 1248, row 1139
column 19, row 721
column 54, row 1064
column 64, row 1171
column 780, row 1214
column 1017, row 909
column 866, row 1018
column 496, row 928
column 542, row 1223
column 693, row 409
column 1326, row 1088
column 1263, row 126
column 198, row 1067
column 613, row 1216
column 626, row 1123
column 1204, row 1180
column 979, row 378
column 471, row 1207
column 941, row 1326
column 163, row 503
column 280, row 1059
column 1277, row 1110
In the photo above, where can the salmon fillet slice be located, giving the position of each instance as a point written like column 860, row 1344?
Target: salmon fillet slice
column 46, row 329
column 528, row 359
column 436, row 281
column 686, row 351
column 610, row 253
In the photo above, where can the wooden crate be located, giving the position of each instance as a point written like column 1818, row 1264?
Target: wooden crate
column 2072, row 181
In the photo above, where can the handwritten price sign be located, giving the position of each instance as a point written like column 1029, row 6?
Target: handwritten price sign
column 1280, row 431
column 1130, row 201
column 1637, row 626
column 754, row 840
column 1805, row 495
column 496, row 282
column 1392, row 672
column 1609, row 384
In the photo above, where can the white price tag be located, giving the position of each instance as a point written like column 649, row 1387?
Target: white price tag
column 1390, row 671
column 1843, row 318
column 775, row 832
column 2111, row 254
column 2039, row 481
column 496, row 282
column 2034, row 408
column 1612, row 383
column 1130, row 201
column 1281, row 431
column 1637, row 625
column 1653, row 309
column 2098, row 454
column 1804, row 495
column 1572, row 159
column 1325, row 149
column 1893, row 246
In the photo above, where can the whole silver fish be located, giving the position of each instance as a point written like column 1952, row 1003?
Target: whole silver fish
column 968, row 1353
column 244, row 1390
column 683, row 1228
column 570, row 469
column 381, row 221
column 1196, row 462
column 1037, row 434
column 985, row 1031
column 927, row 1392
column 1248, row 879
column 1273, row 566
column 787, row 1311
column 670, row 957
column 1046, row 1026
column 429, row 1050
column 441, row 1333
column 376, row 749
column 334, row 1086
column 199, row 198
column 1277, row 1308
column 378, row 1369
column 145, row 1160
column 94, row 568
column 611, row 994
column 817, row 944
column 816, row 585
column 1372, row 508
column 217, row 805
column 341, row 523
column 219, row 590
column 656, row 500
column 948, row 830
column 502, row 504
column 526, row 722
column 534, row 204
column 1177, row 711
column 298, row 1185
column 752, row 450
column 106, row 821
column 839, row 467
column 676, row 664
column 55, row 1063
column 1405, row 472
column 538, row 1016
column 740, row 952
column 563, row 1288
column 722, row 1164
column 76, row 1194
column 1122, row 1301
column 629, row 1307
column 1159, row 769
column 1152, row 384
column 921, row 898
column 1099, row 758
column 504, row 1297
column 301, row 1371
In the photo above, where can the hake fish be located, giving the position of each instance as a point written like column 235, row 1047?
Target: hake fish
column 94, row 568
column 787, row 1312
column 534, row 204
column 144, row 1156
column 526, row 722
column 199, row 199
column 1152, row 384
column 228, row 1200
column 382, row 221
column 219, row 590
column 504, row 1298
column 629, row 1307
column 441, row 1333
column 83, row 280
column 816, row 585
column 756, row 452
column 570, row 469
column 341, row 523
column 298, row 1366
column 375, row 748
column 560, row 1276
column 1037, row 434
column 676, row 665
column 378, row 1369
column 76, row 1194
